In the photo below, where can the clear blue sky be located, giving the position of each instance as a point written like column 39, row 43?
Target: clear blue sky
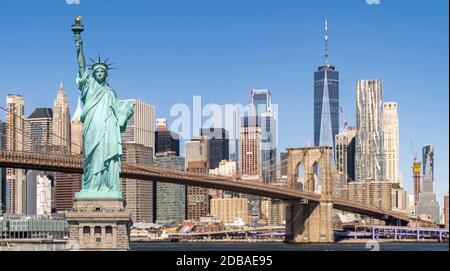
column 166, row 51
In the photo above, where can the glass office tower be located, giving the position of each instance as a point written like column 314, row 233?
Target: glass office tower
column 326, row 101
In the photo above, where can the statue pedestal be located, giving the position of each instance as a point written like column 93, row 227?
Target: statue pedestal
column 99, row 224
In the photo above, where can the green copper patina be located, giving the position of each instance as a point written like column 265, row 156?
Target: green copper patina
column 104, row 119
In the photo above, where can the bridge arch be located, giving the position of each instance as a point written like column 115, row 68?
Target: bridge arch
column 310, row 221
column 316, row 165
column 300, row 177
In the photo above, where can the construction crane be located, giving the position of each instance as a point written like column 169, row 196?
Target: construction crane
column 413, row 151
column 344, row 118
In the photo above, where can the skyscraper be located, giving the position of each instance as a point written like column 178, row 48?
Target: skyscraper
column 170, row 198
column 138, row 193
column 428, row 161
column 265, row 115
column 15, row 178
column 249, row 143
column 326, row 101
column 391, row 143
column 140, row 127
column 428, row 204
column 67, row 184
column 218, row 145
column 251, row 165
column 38, row 128
column 268, row 147
column 165, row 140
column 197, row 150
column 261, row 101
column 416, row 179
column 38, row 138
column 61, row 121
column 345, row 153
column 369, row 136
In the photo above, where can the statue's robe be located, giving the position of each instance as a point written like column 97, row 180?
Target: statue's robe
column 104, row 119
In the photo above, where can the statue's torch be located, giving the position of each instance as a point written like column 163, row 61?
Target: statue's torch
column 77, row 28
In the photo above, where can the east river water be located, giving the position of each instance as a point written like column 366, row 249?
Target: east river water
column 221, row 246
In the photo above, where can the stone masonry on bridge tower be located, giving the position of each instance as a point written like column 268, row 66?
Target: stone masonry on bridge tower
column 310, row 222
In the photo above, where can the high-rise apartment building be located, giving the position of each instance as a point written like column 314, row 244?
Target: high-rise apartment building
column 250, row 150
column 417, row 170
column 326, row 101
column 218, row 145
column 197, row 160
column 344, row 153
column 61, row 122
column 38, row 130
column 369, row 136
column 140, row 127
column 428, row 204
column 428, row 161
column 15, row 178
column 138, row 194
column 170, row 198
column 371, row 193
column 391, row 143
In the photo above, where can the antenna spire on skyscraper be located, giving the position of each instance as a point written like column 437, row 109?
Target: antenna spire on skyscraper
column 326, row 44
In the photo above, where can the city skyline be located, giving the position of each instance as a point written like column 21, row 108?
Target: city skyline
column 296, row 73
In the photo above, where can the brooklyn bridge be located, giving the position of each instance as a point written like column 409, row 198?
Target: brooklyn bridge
column 308, row 213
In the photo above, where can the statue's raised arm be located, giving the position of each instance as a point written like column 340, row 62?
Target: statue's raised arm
column 77, row 28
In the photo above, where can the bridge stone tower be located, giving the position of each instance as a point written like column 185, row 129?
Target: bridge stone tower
column 310, row 222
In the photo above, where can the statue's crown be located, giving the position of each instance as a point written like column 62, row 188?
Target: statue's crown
column 100, row 64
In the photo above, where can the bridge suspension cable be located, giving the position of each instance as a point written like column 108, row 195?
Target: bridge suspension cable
column 30, row 136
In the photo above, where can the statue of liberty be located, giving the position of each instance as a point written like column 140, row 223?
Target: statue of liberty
column 104, row 119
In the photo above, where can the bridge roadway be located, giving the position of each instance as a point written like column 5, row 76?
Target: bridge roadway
column 74, row 164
